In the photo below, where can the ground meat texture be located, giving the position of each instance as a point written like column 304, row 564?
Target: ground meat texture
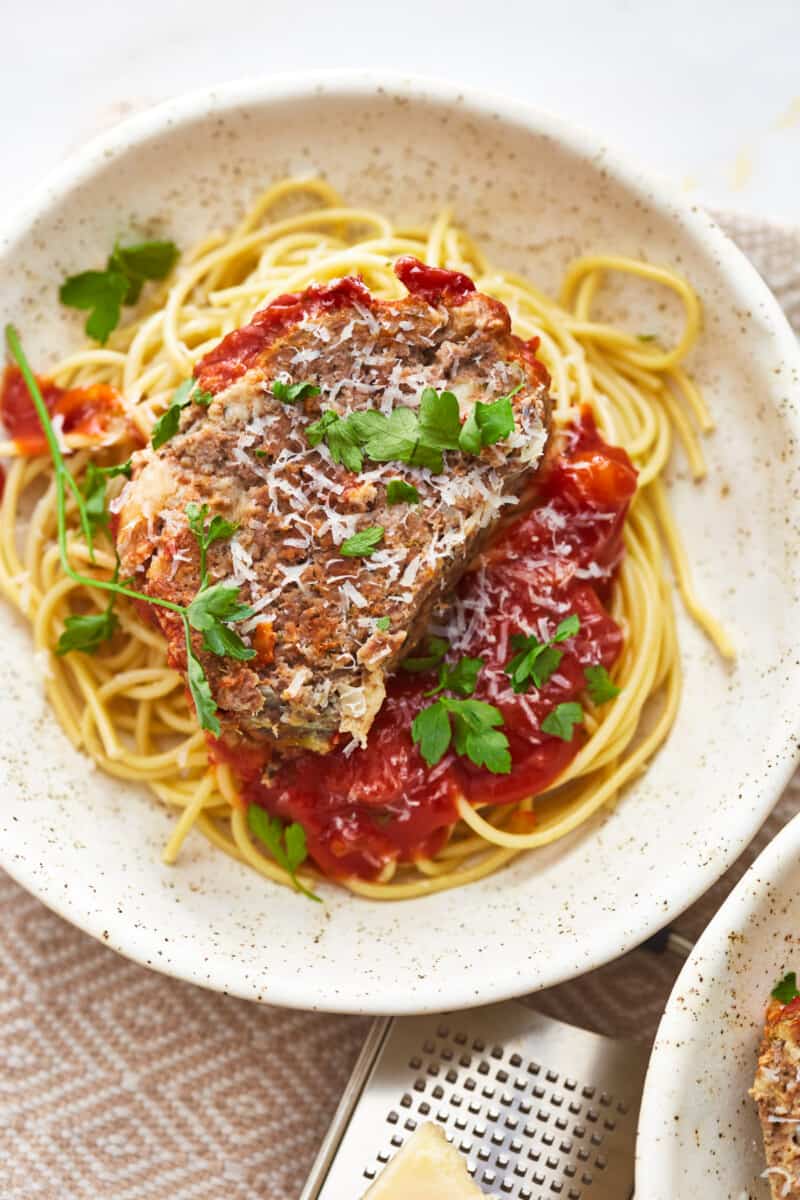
column 321, row 658
column 776, row 1091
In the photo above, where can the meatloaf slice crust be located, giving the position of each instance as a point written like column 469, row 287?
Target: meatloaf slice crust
column 323, row 648
column 776, row 1091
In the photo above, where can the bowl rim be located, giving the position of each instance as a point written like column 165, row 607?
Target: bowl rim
column 779, row 758
column 655, row 1139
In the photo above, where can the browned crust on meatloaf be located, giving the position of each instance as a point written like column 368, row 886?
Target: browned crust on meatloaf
column 322, row 662
column 776, row 1091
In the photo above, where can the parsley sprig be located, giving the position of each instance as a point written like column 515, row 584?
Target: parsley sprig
column 94, row 495
column 417, row 437
column 104, row 292
column 433, row 651
column 560, row 722
column 786, row 991
column 210, row 612
column 364, row 543
column 206, row 534
column 286, row 844
column 292, row 393
column 188, row 392
column 535, row 662
column 599, row 685
column 471, row 726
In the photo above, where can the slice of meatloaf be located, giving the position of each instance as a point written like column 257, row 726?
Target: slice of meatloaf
column 776, row 1091
column 322, row 649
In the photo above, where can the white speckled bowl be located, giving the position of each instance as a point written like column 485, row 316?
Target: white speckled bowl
column 535, row 193
column 698, row 1130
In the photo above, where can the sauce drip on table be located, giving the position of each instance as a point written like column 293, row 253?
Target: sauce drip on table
column 383, row 803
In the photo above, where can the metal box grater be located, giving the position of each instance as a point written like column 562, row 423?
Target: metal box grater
column 540, row 1109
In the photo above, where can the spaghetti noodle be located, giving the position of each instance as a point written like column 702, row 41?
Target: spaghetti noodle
column 124, row 706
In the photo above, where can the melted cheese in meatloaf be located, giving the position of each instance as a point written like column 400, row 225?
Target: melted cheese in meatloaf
column 321, row 657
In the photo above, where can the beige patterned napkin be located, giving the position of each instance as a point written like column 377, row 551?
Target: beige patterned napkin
column 119, row 1084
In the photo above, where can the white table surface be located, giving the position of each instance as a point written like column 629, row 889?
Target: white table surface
column 706, row 92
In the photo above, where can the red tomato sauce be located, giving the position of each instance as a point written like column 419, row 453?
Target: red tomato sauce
column 82, row 410
column 383, row 803
column 240, row 350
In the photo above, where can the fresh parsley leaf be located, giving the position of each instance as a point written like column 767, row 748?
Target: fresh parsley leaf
column 786, row 990
column 399, row 441
column 562, row 720
column 439, row 420
column 146, row 260
column 286, row 845
column 103, row 293
column 383, row 623
column 204, row 703
column 430, row 730
column 316, row 431
column 87, row 633
column 202, row 398
column 599, row 685
column 461, row 678
column 291, row 393
column 435, row 649
column 567, row 628
column 167, row 424
column 533, row 664
column 220, row 602
column 366, row 423
column 400, row 492
column 339, row 438
column 220, row 639
column 488, row 748
column 496, row 420
column 205, row 535
column 362, row 544
column 488, row 423
column 474, row 731
column 93, row 490
column 260, row 453
column 469, row 440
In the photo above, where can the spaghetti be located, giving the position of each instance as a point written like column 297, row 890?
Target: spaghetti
column 124, row 706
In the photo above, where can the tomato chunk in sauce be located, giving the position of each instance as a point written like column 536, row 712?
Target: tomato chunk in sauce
column 382, row 803
column 86, row 410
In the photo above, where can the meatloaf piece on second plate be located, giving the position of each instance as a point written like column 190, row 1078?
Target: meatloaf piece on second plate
column 776, row 1091
column 323, row 650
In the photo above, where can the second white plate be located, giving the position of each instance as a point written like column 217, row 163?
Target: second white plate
column 698, row 1130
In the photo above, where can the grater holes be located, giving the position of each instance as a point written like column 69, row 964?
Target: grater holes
column 527, row 1131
